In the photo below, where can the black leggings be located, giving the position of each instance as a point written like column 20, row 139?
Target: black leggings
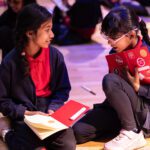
column 99, row 122
column 122, row 97
column 115, row 113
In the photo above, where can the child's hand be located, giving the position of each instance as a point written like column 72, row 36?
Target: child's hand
column 134, row 80
column 50, row 111
column 29, row 113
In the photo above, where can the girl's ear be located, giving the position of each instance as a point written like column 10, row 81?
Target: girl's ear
column 132, row 34
column 29, row 34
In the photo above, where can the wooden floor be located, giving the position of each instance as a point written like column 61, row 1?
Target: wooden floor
column 99, row 146
column 86, row 66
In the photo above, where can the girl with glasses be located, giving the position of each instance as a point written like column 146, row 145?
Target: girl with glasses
column 125, row 111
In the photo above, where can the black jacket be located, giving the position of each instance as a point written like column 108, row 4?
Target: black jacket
column 17, row 91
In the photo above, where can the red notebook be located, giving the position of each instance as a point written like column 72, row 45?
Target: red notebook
column 70, row 112
column 63, row 118
column 139, row 58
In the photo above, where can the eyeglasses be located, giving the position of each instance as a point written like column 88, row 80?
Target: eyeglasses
column 114, row 41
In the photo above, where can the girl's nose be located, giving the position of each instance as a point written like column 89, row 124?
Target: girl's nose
column 51, row 34
column 111, row 43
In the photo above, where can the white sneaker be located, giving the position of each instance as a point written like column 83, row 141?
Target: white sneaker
column 126, row 140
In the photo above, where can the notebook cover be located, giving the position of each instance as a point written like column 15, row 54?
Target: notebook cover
column 139, row 58
column 69, row 113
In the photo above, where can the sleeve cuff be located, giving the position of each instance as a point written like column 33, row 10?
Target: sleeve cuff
column 143, row 91
column 55, row 105
column 21, row 110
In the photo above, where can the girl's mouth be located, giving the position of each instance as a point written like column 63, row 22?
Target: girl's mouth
column 115, row 48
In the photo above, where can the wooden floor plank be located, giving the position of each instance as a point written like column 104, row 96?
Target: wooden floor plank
column 92, row 145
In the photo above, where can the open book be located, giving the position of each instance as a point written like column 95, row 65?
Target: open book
column 139, row 58
column 63, row 118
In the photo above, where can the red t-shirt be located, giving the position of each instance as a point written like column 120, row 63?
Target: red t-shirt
column 40, row 72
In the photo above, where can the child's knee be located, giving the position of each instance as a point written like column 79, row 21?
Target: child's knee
column 110, row 81
column 83, row 132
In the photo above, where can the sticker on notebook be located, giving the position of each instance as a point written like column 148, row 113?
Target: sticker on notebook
column 131, row 55
column 140, row 62
column 143, row 52
column 119, row 60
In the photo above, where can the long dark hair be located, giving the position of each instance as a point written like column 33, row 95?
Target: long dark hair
column 30, row 18
column 121, row 20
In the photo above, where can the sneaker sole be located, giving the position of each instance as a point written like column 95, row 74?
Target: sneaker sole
column 140, row 143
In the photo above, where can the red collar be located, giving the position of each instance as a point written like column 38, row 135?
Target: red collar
column 39, row 58
column 138, row 45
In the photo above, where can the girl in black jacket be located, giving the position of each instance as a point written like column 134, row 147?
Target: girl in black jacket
column 33, row 80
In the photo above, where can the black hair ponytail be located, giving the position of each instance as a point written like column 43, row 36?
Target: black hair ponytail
column 30, row 18
column 144, row 31
column 121, row 20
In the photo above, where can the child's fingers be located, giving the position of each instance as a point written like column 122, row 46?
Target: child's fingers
column 136, row 74
column 50, row 112
column 30, row 113
column 42, row 113
column 129, row 75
